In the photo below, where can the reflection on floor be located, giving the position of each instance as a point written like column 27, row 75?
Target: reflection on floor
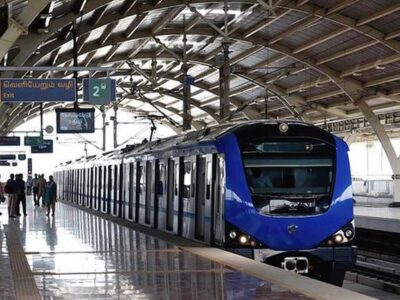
column 77, row 255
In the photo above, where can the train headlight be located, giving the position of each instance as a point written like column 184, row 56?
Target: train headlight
column 349, row 232
column 232, row 234
column 243, row 239
column 338, row 238
column 283, row 127
column 344, row 235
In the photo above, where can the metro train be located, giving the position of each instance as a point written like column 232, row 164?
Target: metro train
column 275, row 191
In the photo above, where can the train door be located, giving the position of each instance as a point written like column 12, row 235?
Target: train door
column 95, row 188
column 121, row 195
column 82, row 185
column 200, row 197
column 104, row 188
column 148, row 200
column 161, row 196
column 140, row 209
column 209, row 197
column 218, row 209
column 115, row 191
column 100, row 183
column 130, row 190
column 109, row 188
column 90, row 187
column 178, row 204
column 170, row 195
column 188, row 197
column 78, row 186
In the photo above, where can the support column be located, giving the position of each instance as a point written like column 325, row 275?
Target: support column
column 115, row 127
column 187, row 118
column 224, row 83
column 103, row 115
column 394, row 160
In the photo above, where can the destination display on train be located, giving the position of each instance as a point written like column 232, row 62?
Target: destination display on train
column 37, row 90
column 75, row 120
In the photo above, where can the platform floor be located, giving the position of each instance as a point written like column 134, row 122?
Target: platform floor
column 77, row 255
column 376, row 217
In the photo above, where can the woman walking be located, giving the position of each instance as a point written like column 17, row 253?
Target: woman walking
column 50, row 195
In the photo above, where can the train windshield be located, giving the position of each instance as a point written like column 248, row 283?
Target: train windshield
column 289, row 177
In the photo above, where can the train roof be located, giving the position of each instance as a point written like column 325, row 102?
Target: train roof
column 191, row 138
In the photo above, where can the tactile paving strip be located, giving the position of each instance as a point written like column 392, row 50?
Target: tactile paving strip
column 24, row 282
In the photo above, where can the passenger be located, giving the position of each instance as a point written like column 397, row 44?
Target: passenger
column 21, row 196
column 42, row 187
column 11, row 190
column 35, row 185
column 50, row 195
column 29, row 186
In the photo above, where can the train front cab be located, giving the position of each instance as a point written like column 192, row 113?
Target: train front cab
column 289, row 197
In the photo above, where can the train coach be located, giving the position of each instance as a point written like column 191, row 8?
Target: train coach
column 275, row 191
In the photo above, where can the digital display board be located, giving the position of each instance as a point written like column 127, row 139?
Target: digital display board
column 10, row 141
column 75, row 120
column 33, row 140
column 8, row 157
column 46, row 147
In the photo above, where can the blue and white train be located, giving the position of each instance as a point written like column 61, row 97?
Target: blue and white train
column 278, row 192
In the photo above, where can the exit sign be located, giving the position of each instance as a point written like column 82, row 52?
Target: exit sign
column 99, row 91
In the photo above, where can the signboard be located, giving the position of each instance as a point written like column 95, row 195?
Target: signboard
column 21, row 156
column 46, row 147
column 4, row 163
column 75, row 120
column 8, row 157
column 37, row 90
column 10, row 141
column 33, row 140
column 99, row 91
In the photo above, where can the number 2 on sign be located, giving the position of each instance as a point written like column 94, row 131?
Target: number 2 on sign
column 96, row 91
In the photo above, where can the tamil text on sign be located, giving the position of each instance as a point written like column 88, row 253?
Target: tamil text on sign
column 37, row 90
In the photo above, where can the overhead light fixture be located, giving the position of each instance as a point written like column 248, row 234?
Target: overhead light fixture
column 378, row 67
column 356, row 74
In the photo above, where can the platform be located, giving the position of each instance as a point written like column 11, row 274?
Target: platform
column 376, row 217
column 78, row 255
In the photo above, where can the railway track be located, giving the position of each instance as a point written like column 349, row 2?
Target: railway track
column 378, row 260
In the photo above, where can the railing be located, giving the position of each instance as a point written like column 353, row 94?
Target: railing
column 373, row 187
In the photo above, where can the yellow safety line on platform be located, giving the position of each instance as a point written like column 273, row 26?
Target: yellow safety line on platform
column 24, row 282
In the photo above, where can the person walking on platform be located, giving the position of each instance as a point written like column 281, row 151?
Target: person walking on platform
column 50, row 196
column 42, row 186
column 21, row 196
column 11, row 190
column 35, row 186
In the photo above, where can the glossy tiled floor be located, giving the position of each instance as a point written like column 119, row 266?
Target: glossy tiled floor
column 77, row 255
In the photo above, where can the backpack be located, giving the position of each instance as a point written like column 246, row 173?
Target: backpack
column 7, row 189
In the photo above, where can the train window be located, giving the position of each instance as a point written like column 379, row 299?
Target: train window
column 141, row 179
column 161, row 179
column 187, row 179
column 208, row 180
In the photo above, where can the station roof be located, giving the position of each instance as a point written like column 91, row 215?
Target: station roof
column 322, row 61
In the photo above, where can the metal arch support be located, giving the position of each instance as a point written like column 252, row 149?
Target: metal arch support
column 19, row 25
